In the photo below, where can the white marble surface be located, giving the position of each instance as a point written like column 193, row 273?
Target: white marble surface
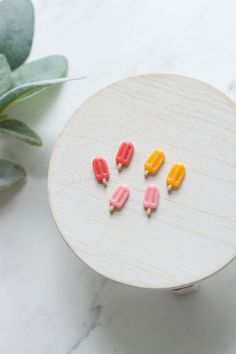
column 49, row 301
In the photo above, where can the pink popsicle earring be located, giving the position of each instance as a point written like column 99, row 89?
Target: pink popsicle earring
column 151, row 197
column 118, row 198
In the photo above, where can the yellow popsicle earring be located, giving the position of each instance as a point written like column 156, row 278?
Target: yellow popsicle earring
column 154, row 162
column 175, row 176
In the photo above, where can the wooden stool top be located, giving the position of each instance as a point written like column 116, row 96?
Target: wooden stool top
column 193, row 233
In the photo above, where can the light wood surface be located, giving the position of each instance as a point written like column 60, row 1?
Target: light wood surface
column 193, row 233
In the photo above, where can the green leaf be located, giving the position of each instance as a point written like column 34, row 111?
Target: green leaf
column 47, row 68
column 3, row 117
column 5, row 75
column 11, row 174
column 26, row 91
column 20, row 131
column 16, row 30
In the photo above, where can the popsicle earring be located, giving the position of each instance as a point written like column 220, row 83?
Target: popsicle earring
column 118, row 198
column 154, row 162
column 151, row 197
column 175, row 176
column 101, row 171
column 124, row 155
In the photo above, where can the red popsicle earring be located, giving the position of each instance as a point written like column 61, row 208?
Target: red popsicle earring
column 101, row 170
column 124, row 155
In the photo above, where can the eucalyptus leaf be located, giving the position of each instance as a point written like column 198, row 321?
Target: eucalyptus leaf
column 3, row 117
column 11, row 174
column 20, row 131
column 26, row 91
column 47, row 68
column 16, row 30
column 5, row 75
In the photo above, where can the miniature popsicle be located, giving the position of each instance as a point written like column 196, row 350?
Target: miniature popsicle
column 101, row 170
column 151, row 197
column 175, row 176
column 118, row 198
column 124, row 155
column 154, row 162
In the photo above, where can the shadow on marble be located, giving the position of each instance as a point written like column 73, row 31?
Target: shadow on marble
column 8, row 195
column 128, row 320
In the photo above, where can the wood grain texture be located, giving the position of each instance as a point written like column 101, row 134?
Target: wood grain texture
column 193, row 233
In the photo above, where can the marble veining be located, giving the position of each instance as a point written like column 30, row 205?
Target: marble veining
column 93, row 318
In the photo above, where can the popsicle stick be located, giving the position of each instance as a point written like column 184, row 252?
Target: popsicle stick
column 146, row 173
column 111, row 208
column 169, row 188
column 119, row 166
column 104, row 182
column 149, row 212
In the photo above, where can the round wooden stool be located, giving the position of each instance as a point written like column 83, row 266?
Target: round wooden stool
column 192, row 235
